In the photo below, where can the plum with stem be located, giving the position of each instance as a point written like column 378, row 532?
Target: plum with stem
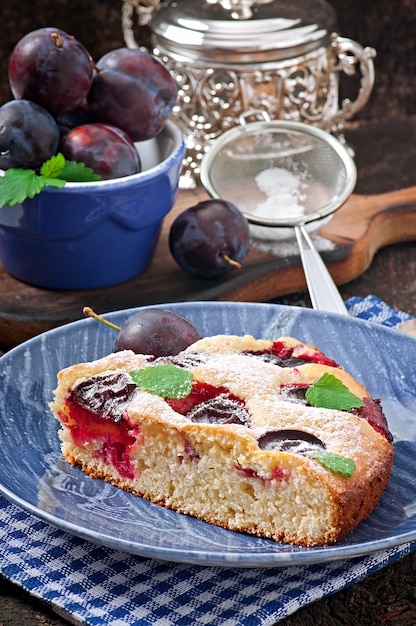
column 52, row 68
column 210, row 238
column 155, row 331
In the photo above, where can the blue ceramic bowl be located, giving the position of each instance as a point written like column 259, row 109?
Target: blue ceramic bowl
column 97, row 234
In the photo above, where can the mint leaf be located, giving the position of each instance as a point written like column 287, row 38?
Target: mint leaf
column 330, row 393
column 78, row 173
column 167, row 381
column 52, row 182
column 18, row 184
column 334, row 462
column 69, row 171
column 54, row 167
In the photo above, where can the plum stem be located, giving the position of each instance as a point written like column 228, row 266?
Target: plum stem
column 58, row 40
column 231, row 261
column 89, row 312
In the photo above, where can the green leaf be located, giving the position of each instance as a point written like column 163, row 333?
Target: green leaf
column 330, row 393
column 334, row 462
column 167, row 381
column 53, row 182
column 18, row 184
column 78, row 173
column 53, row 167
column 68, row 171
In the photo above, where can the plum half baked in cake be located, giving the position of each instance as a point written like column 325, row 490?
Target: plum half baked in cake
column 266, row 437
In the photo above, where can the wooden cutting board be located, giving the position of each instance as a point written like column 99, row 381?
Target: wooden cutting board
column 381, row 212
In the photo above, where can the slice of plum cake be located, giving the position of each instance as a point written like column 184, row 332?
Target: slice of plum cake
column 269, row 438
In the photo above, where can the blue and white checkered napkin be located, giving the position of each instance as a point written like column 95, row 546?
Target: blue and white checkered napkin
column 373, row 309
column 94, row 585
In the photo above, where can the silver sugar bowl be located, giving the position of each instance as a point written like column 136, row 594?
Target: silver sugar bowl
column 230, row 56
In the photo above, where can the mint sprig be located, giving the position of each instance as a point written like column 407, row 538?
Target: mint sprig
column 329, row 392
column 167, row 381
column 18, row 184
column 334, row 462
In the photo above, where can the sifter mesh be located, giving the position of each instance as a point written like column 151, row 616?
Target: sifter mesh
column 284, row 174
column 319, row 162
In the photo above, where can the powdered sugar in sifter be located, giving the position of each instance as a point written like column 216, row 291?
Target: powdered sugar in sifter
column 237, row 164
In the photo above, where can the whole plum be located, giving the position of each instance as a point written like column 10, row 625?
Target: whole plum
column 50, row 67
column 160, row 332
column 29, row 135
column 210, row 238
column 107, row 150
column 134, row 91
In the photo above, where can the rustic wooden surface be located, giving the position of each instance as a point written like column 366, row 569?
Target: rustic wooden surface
column 387, row 597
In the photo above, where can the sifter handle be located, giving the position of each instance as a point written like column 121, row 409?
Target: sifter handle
column 323, row 291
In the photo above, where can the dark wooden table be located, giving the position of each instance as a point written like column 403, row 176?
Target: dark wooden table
column 386, row 159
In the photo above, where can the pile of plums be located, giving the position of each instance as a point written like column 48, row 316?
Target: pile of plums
column 90, row 112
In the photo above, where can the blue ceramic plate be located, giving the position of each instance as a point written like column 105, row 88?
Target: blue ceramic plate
column 34, row 476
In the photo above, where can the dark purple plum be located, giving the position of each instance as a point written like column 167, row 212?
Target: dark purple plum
column 107, row 150
column 159, row 332
column 52, row 68
column 29, row 135
column 134, row 91
column 210, row 238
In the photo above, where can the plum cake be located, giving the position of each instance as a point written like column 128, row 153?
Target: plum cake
column 271, row 438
